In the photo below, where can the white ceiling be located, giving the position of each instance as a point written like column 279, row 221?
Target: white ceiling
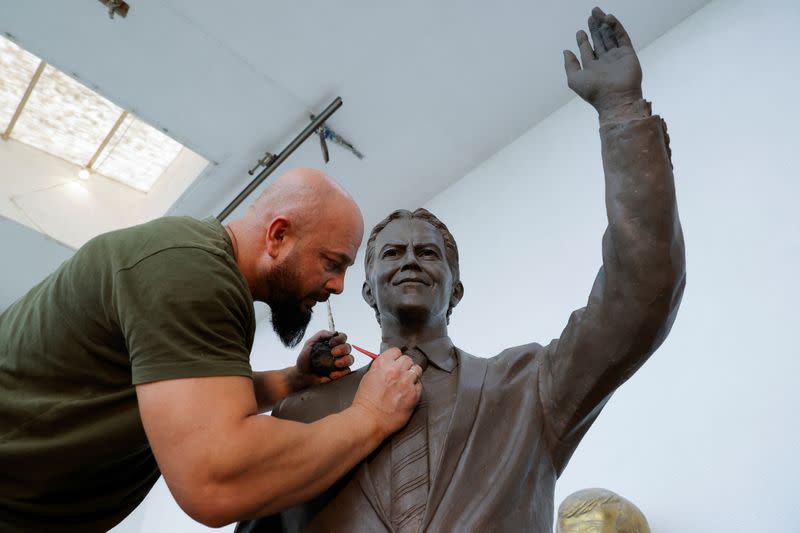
column 430, row 89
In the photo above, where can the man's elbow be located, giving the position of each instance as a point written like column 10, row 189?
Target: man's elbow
column 216, row 506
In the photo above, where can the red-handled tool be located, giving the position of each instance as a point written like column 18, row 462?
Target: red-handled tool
column 365, row 352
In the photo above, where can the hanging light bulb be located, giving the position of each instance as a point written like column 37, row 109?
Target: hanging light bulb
column 83, row 174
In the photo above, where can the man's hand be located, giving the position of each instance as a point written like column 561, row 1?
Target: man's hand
column 304, row 377
column 611, row 77
column 390, row 390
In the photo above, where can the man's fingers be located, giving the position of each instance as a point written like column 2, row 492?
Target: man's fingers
column 417, row 371
column 623, row 39
column 405, row 362
column 342, row 361
column 597, row 39
column 392, row 354
column 587, row 54
column 339, row 373
column 339, row 350
column 318, row 336
column 339, row 338
column 571, row 63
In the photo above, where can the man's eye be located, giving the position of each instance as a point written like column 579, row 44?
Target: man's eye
column 389, row 253
column 428, row 252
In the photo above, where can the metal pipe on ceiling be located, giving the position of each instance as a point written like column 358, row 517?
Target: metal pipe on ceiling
column 281, row 157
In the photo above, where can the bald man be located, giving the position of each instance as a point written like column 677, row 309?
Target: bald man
column 132, row 360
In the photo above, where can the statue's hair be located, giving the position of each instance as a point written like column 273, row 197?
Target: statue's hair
column 578, row 504
column 450, row 247
column 629, row 518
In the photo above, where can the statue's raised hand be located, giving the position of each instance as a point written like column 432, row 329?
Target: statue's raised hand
column 608, row 74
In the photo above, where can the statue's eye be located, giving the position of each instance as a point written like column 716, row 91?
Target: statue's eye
column 388, row 253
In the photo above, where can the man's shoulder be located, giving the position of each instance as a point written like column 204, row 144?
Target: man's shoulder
column 320, row 401
column 166, row 233
column 183, row 244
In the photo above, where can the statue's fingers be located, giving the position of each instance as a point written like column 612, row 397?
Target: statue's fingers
column 623, row 39
column 571, row 63
column 587, row 54
column 608, row 36
column 597, row 39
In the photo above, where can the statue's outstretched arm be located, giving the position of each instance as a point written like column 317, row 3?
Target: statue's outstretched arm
column 637, row 292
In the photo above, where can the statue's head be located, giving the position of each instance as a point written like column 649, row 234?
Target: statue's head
column 411, row 266
column 599, row 511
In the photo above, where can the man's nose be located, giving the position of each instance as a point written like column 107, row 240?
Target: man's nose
column 335, row 284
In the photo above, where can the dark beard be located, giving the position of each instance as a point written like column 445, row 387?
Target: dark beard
column 289, row 318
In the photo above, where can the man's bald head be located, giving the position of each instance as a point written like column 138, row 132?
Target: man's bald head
column 294, row 245
column 307, row 197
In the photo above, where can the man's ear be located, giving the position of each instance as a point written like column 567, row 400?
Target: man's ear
column 275, row 239
column 458, row 293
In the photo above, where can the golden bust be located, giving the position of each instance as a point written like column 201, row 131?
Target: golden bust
column 599, row 511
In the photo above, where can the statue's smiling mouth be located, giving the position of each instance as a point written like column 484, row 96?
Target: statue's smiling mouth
column 405, row 281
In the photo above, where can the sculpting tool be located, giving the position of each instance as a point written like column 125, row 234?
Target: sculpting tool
column 331, row 325
column 365, row 352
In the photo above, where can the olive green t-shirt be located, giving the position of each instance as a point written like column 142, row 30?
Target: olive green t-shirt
column 162, row 300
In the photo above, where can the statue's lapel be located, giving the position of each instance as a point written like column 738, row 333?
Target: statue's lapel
column 471, row 374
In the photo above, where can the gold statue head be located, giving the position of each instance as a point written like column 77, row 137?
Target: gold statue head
column 599, row 511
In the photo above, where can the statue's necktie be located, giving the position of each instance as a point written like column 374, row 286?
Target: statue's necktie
column 410, row 481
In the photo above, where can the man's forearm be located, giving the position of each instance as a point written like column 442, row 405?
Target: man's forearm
column 268, row 464
column 272, row 386
column 350, row 438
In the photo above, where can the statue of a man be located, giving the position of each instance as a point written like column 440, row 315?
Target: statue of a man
column 491, row 436
column 599, row 511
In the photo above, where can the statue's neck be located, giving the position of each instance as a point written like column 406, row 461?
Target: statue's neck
column 405, row 333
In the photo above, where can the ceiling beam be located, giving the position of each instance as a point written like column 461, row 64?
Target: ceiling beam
column 105, row 142
column 21, row 105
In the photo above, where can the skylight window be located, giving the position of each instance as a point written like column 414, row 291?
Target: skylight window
column 64, row 118
column 16, row 71
column 137, row 154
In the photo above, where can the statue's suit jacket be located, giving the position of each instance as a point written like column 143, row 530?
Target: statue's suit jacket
column 517, row 417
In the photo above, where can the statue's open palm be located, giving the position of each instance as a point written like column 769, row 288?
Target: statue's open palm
column 610, row 72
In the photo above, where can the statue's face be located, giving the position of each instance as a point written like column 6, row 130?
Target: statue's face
column 410, row 278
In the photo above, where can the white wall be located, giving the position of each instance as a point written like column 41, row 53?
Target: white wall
column 703, row 437
column 27, row 257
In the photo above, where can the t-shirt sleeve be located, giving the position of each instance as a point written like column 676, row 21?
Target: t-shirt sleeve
column 184, row 312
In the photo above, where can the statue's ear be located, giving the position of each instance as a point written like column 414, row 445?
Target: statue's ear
column 366, row 292
column 458, row 293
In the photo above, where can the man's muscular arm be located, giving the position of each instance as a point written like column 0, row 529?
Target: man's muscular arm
column 637, row 292
column 223, row 462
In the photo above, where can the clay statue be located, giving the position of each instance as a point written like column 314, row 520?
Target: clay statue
column 490, row 437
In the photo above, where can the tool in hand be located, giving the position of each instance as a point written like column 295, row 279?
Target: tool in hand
column 322, row 360
column 365, row 352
